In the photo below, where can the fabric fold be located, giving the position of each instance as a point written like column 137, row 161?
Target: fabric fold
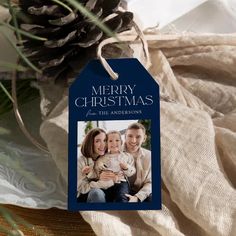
column 198, row 138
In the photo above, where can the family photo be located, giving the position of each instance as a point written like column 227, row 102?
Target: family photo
column 114, row 162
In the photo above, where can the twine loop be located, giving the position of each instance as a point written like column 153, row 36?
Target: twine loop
column 124, row 37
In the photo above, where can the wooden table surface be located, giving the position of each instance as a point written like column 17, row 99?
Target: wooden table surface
column 53, row 222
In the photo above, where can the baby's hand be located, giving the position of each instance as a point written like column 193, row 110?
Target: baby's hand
column 86, row 170
column 123, row 166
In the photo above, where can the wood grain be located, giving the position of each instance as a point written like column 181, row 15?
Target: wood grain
column 53, row 222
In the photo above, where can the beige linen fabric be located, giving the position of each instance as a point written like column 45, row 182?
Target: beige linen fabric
column 197, row 75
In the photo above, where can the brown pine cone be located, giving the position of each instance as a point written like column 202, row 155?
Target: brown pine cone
column 71, row 38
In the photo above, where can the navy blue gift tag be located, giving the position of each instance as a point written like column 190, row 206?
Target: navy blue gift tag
column 114, row 139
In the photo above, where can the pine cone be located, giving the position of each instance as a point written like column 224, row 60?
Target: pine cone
column 72, row 39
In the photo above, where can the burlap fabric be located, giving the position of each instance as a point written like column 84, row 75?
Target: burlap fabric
column 197, row 77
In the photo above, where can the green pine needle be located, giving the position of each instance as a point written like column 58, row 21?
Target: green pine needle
column 14, row 19
column 92, row 17
column 6, row 92
column 13, row 219
column 5, row 231
column 63, row 5
column 21, row 54
column 25, row 93
column 23, row 222
column 22, row 32
column 12, row 66
column 9, row 219
column 4, row 3
column 7, row 216
column 4, row 131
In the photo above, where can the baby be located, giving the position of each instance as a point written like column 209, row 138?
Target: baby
column 120, row 163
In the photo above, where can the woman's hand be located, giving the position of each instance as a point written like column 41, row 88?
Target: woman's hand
column 132, row 198
column 86, row 170
column 107, row 175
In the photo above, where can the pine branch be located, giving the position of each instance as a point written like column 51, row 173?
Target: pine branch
column 95, row 20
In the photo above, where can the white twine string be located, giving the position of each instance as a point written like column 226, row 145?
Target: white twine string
column 123, row 37
column 133, row 38
column 20, row 120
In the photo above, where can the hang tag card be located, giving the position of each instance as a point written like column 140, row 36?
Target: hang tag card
column 110, row 170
